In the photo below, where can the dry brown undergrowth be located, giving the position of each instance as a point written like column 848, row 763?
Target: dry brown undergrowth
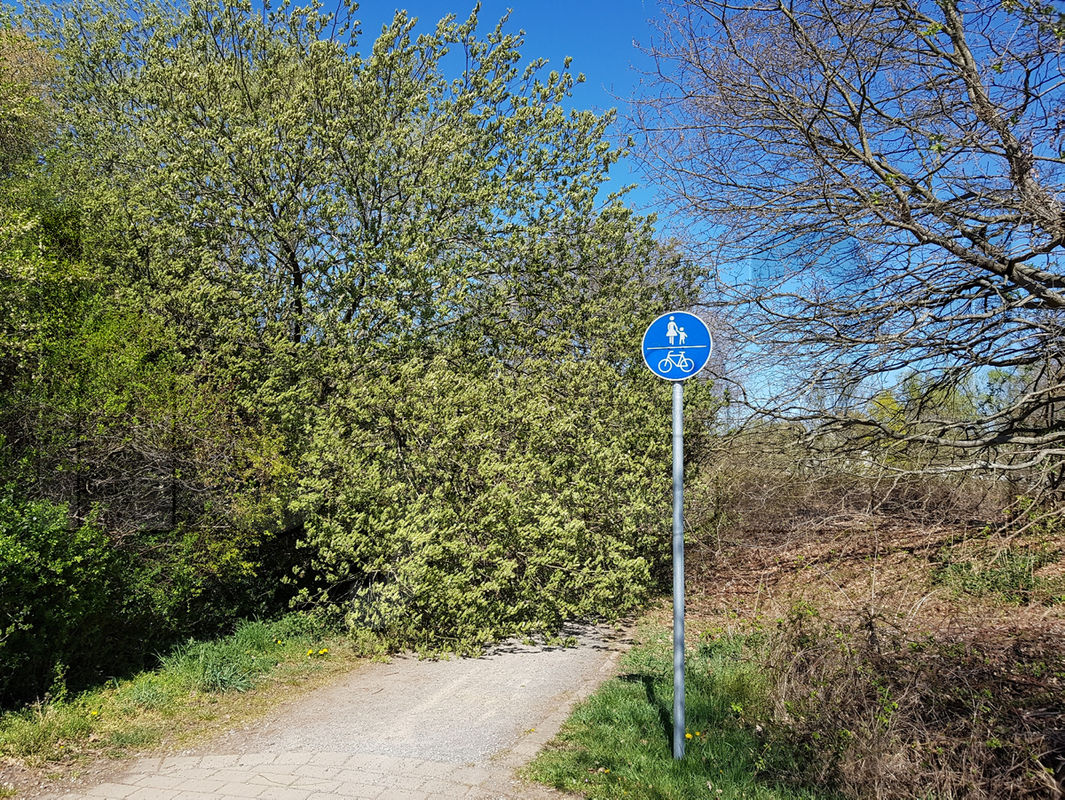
column 893, row 681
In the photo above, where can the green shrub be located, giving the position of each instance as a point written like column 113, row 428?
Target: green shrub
column 76, row 608
column 1009, row 574
column 446, row 510
column 56, row 585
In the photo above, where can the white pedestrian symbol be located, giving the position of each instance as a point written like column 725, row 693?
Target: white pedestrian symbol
column 672, row 331
column 683, row 336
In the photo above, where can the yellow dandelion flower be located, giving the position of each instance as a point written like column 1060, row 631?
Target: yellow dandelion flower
column 310, row 652
column 323, row 651
column 687, row 736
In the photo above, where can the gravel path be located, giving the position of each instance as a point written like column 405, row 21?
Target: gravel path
column 407, row 729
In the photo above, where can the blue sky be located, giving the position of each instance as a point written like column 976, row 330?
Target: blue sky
column 598, row 34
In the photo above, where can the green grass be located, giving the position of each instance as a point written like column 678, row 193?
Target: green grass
column 192, row 685
column 617, row 744
column 1009, row 575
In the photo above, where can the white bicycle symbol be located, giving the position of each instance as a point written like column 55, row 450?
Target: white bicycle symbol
column 678, row 360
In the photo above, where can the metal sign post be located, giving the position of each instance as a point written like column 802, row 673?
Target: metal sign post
column 675, row 347
column 678, row 569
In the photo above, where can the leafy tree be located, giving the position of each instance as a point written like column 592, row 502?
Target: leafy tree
column 284, row 189
column 446, row 508
column 354, row 316
column 25, row 74
column 105, row 425
column 878, row 188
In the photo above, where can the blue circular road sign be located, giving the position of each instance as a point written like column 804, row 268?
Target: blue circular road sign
column 676, row 345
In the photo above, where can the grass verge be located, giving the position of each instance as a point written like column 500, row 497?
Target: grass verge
column 617, row 744
column 199, row 687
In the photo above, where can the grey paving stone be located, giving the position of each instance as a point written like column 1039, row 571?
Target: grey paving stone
column 401, row 794
column 293, row 758
column 216, row 761
column 439, row 787
column 284, row 793
column 198, row 784
column 154, row 793
column 240, row 789
column 112, row 791
column 274, row 777
column 255, row 759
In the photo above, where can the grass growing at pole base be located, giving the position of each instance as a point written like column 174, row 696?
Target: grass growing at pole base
column 618, row 744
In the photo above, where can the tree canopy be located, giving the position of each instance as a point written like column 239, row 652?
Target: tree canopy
column 878, row 189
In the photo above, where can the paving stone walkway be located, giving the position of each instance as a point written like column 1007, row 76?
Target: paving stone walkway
column 304, row 776
column 405, row 730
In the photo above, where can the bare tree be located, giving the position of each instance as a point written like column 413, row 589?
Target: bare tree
column 876, row 186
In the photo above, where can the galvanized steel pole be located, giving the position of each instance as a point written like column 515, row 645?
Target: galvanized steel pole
column 678, row 569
